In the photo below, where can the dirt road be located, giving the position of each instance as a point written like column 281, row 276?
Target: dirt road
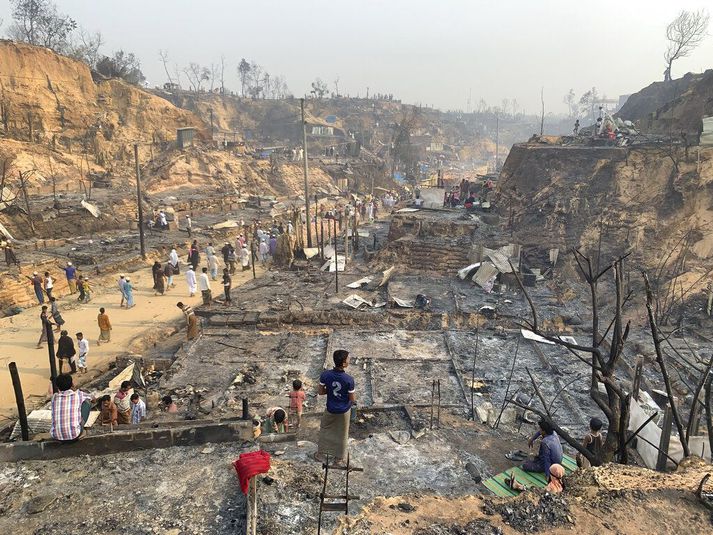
column 21, row 332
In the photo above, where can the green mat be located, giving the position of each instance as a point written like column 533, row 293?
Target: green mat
column 498, row 486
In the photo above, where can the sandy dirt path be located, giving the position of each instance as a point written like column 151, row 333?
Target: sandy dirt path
column 21, row 332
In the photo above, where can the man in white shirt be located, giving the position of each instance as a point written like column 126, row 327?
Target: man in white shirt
column 189, row 225
column 191, row 280
column 204, row 285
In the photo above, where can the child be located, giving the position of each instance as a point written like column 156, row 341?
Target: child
column 594, row 442
column 297, row 397
column 169, row 405
column 138, row 409
column 108, row 414
column 83, row 345
column 87, row 290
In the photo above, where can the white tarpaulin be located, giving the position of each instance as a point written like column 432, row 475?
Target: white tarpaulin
column 529, row 335
column 463, row 273
column 360, row 282
column 230, row 223
column 311, row 252
column 40, row 421
column 329, row 264
column 406, row 210
column 355, row 301
column 5, row 232
column 91, row 208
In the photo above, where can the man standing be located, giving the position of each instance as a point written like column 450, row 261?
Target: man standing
column 122, row 289
column 338, row 386
column 189, row 225
column 70, row 410
column 204, row 285
column 138, row 409
column 66, row 352
column 46, row 324
column 191, row 280
column 227, row 283
column 37, row 284
column 225, row 250
column 173, row 260
column 104, row 327
column 71, row 273
column 49, row 284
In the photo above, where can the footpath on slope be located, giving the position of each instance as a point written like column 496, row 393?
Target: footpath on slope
column 132, row 330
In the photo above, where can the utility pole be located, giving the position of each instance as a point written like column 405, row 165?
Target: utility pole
column 305, row 168
column 497, row 140
column 50, row 350
column 336, row 260
column 138, row 199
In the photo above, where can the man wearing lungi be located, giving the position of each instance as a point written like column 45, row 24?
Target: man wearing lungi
column 338, row 386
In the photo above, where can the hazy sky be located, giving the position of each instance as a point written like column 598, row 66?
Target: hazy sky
column 433, row 52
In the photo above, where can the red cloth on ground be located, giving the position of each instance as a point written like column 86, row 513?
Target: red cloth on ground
column 249, row 465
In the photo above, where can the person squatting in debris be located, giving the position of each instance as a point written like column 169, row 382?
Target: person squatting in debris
column 109, row 414
column 339, row 388
column 104, row 326
column 168, row 405
column 594, row 442
column 275, row 421
column 123, row 402
column 550, row 451
column 70, row 410
column 191, row 321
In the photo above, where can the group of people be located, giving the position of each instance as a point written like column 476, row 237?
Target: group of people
column 70, row 408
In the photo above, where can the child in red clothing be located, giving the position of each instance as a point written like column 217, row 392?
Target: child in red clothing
column 297, row 397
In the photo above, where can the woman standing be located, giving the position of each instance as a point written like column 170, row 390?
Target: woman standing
column 159, row 282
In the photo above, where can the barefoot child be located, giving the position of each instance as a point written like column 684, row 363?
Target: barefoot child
column 297, row 397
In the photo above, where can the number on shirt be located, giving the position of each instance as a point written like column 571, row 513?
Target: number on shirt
column 336, row 387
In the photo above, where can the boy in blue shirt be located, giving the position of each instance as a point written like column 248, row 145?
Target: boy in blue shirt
column 339, row 388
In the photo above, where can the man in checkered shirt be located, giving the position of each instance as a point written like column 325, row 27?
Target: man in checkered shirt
column 70, row 410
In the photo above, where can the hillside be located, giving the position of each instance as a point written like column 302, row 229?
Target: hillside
column 672, row 107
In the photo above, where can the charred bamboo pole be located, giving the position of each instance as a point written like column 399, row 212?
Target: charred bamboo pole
column 20, row 400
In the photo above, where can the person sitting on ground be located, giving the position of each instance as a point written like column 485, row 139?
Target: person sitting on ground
column 275, row 421
column 109, row 414
column 470, row 201
column 168, row 405
column 138, row 409
column 554, row 481
column 70, row 410
column 550, row 451
column 594, row 442
column 123, row 402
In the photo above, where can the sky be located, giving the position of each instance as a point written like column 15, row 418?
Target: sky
column 437, row 53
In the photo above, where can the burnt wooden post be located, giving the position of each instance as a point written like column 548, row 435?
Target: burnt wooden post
column 321, row 237
column 252, row 255
column 636, row 385
column 20, row 400
column 336, row 260
column 665, row 439
column 50, row 350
